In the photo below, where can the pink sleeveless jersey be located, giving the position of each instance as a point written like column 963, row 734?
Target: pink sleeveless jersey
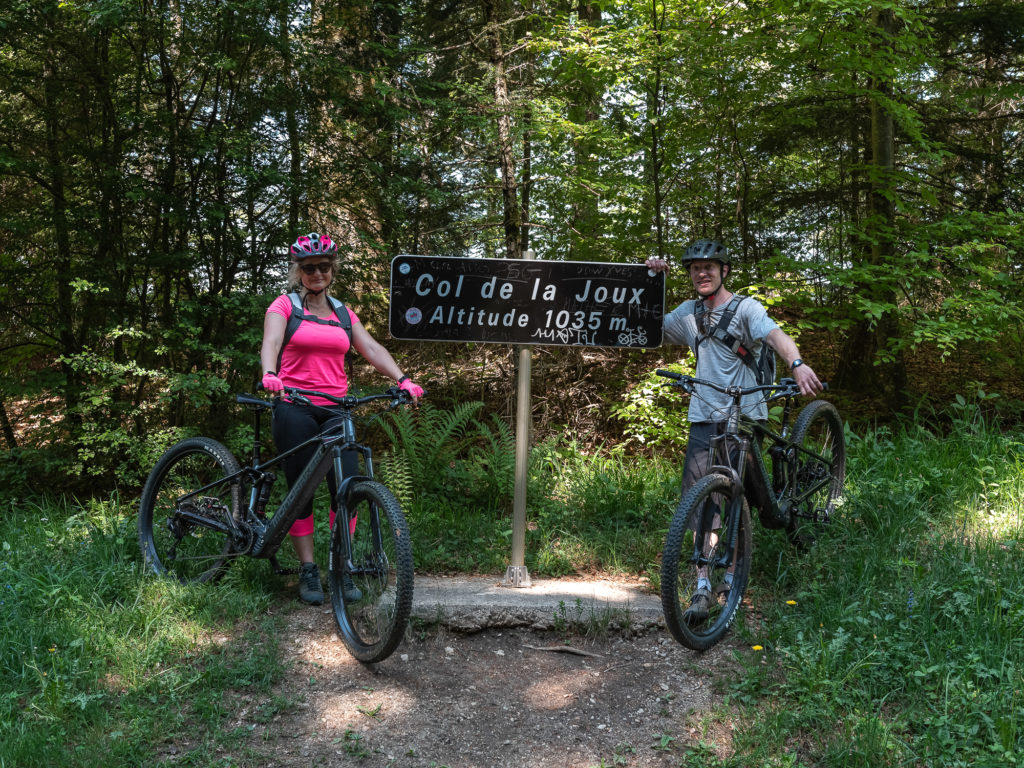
column 314, row 358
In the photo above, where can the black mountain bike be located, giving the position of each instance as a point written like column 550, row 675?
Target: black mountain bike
column 200, row 510
column 710, row 534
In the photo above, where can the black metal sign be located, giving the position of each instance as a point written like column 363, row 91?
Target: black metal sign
column 520, row 301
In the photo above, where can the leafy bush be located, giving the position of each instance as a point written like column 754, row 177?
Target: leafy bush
column 655, row 415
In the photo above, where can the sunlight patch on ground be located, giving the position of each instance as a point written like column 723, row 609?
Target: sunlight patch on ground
column 356, row 706
column 555, row 692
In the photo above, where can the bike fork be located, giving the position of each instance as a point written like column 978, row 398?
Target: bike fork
column 342, row 516
column 703, row 542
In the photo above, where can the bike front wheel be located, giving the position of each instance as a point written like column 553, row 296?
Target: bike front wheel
column 184, row 511
column 819, row 465
column 699, row 613
column 371, row 590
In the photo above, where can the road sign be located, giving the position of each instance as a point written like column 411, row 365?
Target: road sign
column 521, row 301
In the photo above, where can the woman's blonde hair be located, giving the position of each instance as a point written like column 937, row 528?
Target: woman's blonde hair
column 295, row 272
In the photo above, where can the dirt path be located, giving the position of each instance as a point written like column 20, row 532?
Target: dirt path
column 489, row 699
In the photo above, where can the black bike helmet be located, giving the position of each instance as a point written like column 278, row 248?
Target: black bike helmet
column 707, row 249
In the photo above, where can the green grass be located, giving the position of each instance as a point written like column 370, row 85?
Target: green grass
column 586, row 513
column 897, row 639
column 101, row 665
column 904, row 644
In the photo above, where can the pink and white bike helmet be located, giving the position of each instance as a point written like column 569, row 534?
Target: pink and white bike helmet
column 312, row 245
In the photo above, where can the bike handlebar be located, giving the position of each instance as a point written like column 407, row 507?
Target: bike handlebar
column 301, row 397
column 393, row 393
column 784, row 388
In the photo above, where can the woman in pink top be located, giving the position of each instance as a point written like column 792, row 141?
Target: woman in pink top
column 314, row 358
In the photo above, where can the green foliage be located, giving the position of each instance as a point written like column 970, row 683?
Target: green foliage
column 109, row 444
column 445, row 452
column 140, row 246
column 905, row 632
column 602, row 511
column 654, row 413
column 100, row 663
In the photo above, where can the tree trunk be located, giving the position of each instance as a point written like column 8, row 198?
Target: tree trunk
column 506, row 158
column 870, row 336
column 655, row 104
column 585, row 109
column 5, row 427
column 61, row 234
column 527, row 86
column 291, row 120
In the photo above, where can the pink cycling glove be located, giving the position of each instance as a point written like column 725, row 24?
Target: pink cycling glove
column 413, row 389
column 272, row 383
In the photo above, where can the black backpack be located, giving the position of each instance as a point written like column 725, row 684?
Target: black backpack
column 299, row 314
column 763, row 366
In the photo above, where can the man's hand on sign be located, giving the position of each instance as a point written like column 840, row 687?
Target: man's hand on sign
column 657, row 265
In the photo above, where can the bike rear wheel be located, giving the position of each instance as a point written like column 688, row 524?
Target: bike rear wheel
column 373, row 616
column 711, row 495
column 817, row 478
column 173, row 538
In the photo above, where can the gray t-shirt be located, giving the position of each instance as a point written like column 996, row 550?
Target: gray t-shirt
column 716, row 362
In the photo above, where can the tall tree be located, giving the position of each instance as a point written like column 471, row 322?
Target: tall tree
column 495, row 19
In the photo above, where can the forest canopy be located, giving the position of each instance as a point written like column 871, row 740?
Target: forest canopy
column 863, row 160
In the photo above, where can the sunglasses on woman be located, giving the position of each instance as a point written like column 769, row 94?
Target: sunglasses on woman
column 324, row 267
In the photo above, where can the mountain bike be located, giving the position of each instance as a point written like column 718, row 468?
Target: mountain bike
column 710, row 534
column 200, row 510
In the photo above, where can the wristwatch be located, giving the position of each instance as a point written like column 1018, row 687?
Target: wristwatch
column 796, row 364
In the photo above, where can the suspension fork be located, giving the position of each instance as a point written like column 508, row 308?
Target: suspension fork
column 736, row 504
column 720, row 451
column 343, row 511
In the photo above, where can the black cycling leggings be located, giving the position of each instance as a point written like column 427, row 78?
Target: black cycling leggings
column 292, row 425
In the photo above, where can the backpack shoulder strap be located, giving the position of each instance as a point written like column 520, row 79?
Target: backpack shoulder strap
column 343, row 316
column 298, row 314
column 721, row 331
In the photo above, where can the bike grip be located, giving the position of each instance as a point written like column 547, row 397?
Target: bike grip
column 669, row 374
column 407, row 395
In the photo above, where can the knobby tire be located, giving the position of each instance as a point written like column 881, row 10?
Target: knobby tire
column 679, row 570
column 170, row 543
column 373, row 625
column 818, row 428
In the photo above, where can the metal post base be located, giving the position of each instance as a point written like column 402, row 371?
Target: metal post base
column 516, row 576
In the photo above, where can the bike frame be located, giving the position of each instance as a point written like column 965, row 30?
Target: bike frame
column 746, row 435
column 270, row 532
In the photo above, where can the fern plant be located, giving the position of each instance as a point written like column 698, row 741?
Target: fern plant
column 445, row 451
column 429, row 440
column 394, row 472
column 488, row 470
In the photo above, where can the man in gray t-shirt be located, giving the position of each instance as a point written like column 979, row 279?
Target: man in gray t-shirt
column 709, row 263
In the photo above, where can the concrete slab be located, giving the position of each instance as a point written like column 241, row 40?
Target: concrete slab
column 474, row 603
